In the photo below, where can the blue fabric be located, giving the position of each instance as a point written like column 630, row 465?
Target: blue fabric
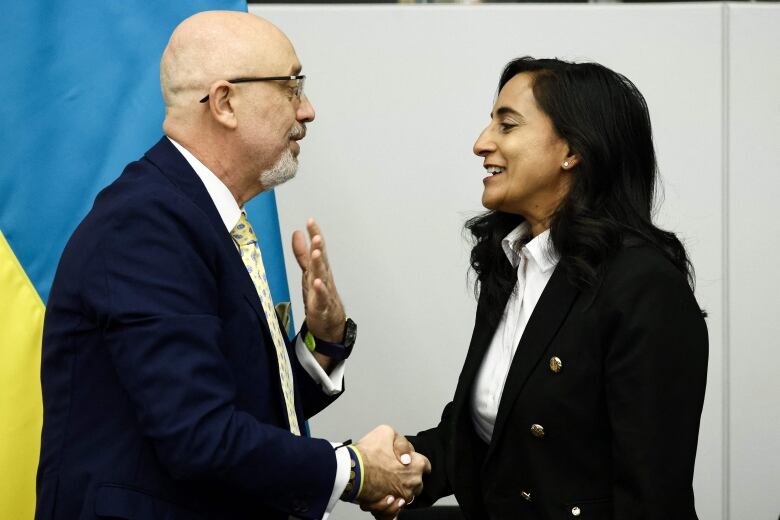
column 81, row 99
column 160, row 382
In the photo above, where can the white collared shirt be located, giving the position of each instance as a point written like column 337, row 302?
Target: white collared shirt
column 332, row 383
column 535, row 263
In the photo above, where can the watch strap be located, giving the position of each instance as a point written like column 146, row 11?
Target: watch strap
column 337, row 351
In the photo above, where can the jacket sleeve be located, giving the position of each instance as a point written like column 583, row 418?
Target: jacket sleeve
column 655, row 374
column 155, row 285
column 434, row 444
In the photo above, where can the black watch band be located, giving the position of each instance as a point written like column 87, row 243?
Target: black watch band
column 337, row 351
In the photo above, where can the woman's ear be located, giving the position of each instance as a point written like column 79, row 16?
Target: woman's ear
column 570, row 161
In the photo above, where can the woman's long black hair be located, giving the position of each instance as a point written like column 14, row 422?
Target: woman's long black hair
column 604, row 119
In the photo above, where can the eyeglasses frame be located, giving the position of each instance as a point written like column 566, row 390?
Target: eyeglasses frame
column 298, row 90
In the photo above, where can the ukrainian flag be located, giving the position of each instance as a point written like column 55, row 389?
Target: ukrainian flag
column 79, row 99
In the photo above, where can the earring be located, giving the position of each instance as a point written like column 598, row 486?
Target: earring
column 565, row 164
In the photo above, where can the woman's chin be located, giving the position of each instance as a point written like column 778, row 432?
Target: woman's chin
column 490, row 201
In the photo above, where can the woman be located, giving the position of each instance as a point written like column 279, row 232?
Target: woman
column 583, row 386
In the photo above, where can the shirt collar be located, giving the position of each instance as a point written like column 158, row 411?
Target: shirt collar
column 226, row 205
column 540, row 248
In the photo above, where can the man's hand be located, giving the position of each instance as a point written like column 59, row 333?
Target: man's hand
column 392, row 471
column 325, row 314
column 388, row 508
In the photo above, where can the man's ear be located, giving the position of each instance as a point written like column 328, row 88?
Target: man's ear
column 220, row 106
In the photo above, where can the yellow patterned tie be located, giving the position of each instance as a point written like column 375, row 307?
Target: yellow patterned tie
column 245, row 239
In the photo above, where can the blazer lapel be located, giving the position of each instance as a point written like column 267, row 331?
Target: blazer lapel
column 548, row 315
column 175, row 167
column 487, row 319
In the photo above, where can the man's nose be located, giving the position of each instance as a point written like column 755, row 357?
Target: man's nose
column 305, row 112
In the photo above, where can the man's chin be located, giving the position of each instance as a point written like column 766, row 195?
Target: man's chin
column 269, row 182
column 285, row 169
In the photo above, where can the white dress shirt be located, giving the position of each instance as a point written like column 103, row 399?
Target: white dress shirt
column 331, row 383
column 535, row 262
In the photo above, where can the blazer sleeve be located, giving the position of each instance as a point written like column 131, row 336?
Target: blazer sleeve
column 155, row 285
column 655, row 373
column 434, row 444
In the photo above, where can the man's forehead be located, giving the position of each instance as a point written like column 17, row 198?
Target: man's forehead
column 281, row 60
column 277, row 68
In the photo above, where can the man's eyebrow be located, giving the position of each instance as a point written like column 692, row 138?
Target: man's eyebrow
column 506, row 111
column 296, row 69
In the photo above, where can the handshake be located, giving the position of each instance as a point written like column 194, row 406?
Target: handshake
column 392, row 472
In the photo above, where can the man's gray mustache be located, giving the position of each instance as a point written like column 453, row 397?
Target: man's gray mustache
column 298, row 132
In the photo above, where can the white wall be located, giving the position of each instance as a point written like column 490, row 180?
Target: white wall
column 401, row 92
column 753, row 231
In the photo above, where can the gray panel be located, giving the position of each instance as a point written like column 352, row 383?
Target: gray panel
column 754, row 277
column 401, row 94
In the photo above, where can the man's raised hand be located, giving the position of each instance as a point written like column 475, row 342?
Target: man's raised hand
column 325, row 316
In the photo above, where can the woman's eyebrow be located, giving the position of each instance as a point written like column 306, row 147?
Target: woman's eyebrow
column 504, row 111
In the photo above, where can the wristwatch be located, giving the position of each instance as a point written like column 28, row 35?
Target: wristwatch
column 338, row 351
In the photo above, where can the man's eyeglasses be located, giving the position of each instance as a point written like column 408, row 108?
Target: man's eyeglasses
column 297, row 90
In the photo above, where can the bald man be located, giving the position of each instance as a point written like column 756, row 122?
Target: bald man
column 170, row 389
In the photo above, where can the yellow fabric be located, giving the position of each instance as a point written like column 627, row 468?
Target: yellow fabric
column 246, row 241
column 21, row 409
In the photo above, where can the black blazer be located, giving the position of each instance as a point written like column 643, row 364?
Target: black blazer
column 610, row 435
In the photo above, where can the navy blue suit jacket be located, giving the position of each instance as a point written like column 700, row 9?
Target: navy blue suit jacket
column 160, row 381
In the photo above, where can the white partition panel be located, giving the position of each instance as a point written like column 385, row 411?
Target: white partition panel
column 401, row 93
column 754, row 276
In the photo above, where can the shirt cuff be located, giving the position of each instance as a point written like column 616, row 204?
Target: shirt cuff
column 342, row 477
column 331, row 383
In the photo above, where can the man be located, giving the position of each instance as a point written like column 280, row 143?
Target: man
column 170, row 390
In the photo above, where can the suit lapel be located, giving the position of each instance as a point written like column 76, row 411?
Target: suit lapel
column 175, row 167
column 468, row 448
column 487, row 319
column 548, row 315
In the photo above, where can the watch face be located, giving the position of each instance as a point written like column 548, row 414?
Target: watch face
column 350, row 333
